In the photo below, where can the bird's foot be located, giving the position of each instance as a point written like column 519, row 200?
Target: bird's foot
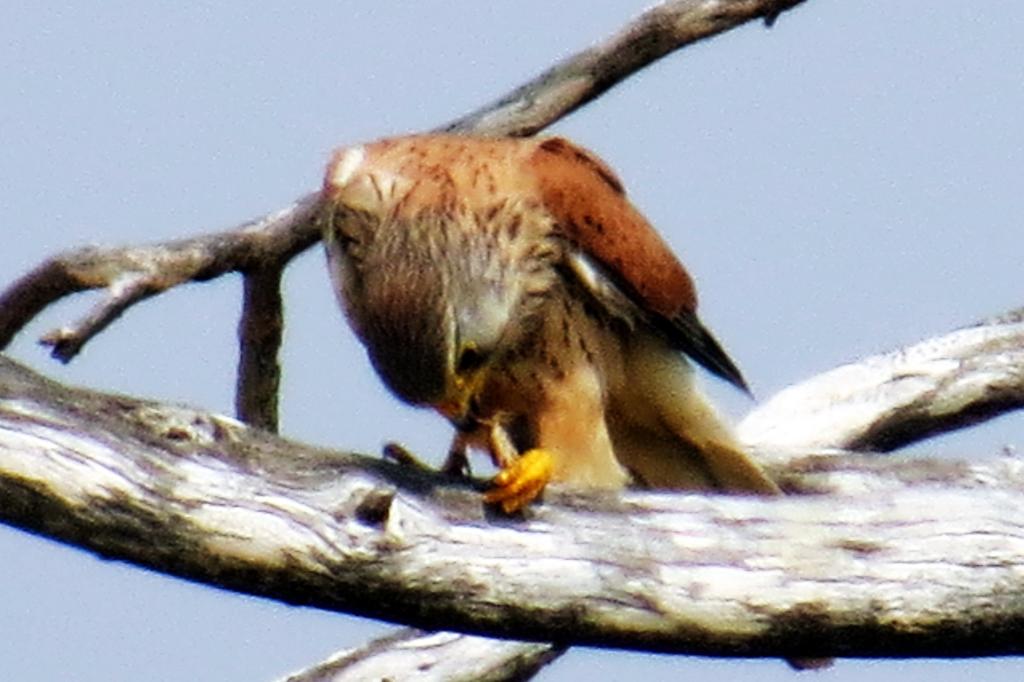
column 457, row 461
column 521, row 481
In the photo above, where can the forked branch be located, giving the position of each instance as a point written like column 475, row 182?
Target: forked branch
column 258, row 249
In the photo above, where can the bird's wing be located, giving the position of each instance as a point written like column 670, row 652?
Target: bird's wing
column 620, row 259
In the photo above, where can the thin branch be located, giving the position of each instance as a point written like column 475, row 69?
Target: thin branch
column 124, row 292
column 585, row 76
column 260, row 331
column 133, row 273
column 900, row 558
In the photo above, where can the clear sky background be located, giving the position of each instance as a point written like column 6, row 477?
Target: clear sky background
column 847, row 182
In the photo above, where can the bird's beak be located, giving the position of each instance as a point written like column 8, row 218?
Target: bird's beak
column 455, row 406
column 454, row 409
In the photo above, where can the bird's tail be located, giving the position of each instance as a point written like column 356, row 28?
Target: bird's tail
column 671, row 436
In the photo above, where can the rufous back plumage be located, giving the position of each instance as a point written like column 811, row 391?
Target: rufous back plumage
column 585, row 200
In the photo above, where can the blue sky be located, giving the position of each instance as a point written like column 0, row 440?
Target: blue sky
column 844, row 183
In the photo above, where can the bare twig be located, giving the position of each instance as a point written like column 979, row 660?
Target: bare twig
column 122, row 293
column 130, row 274
column 587, row 75
column 259, row 338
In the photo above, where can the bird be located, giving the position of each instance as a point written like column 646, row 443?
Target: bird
column 510, row 285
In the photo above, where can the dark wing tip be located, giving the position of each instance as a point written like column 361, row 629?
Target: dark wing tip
column 696, row 341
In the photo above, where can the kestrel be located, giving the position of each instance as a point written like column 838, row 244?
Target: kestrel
column 510, row 285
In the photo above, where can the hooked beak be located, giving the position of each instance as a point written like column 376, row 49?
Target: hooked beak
column 457, row 405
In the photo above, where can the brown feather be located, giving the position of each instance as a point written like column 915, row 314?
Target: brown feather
column 586, row 202
column 590, row 207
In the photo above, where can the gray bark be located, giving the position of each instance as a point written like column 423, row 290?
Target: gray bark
column 883, row 556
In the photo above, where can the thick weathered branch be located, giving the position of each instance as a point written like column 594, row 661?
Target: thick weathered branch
column 886, row 401
column 900, row 558
column 940, row 384
column 262, row 248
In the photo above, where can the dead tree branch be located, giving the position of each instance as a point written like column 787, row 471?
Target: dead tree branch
column 901, row 558
column 411, row 654
column 585, row 76
column 886, row 401
column 261, row 249
column 955, row 380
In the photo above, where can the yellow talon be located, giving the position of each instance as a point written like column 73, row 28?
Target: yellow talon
column 522, row 481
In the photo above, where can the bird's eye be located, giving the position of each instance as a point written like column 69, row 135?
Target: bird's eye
column 470, row 359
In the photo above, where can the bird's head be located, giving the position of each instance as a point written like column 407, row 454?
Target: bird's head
column 425, row 289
